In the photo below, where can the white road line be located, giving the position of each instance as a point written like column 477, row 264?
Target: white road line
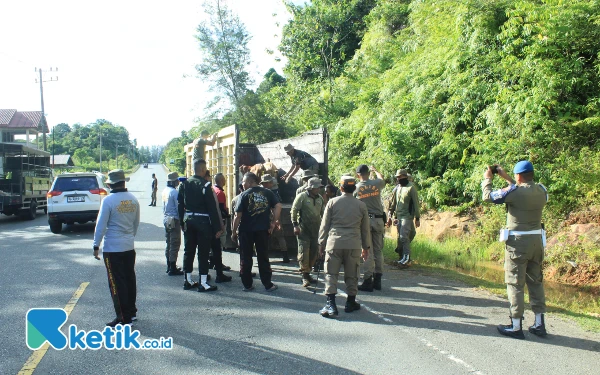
column 426, row 342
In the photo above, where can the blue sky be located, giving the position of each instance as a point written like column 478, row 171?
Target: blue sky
column 123, row 61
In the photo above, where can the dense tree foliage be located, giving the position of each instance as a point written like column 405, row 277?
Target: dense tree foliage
column 444, row 88
column 82, row 142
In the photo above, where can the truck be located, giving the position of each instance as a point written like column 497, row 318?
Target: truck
column 25, row 179
column 228, row 154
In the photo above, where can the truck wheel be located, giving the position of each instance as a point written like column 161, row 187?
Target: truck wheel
column 30, row 213
column 55, row 227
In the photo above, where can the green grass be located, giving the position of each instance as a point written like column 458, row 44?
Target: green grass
column 471, row 262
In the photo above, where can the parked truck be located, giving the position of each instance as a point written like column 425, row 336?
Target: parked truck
column 25, row 179
column 229, row 154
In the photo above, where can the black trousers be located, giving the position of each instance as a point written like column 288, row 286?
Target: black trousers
column 198, row 235
column 120, row 269
column 217, row 254
column 260, row 240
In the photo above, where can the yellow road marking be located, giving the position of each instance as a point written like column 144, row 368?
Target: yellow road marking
column 35, row 358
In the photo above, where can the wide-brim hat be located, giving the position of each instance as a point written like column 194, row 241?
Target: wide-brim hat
column 314, row 183
column 401, row 172
column 173, row 176
column 288, row 148
column 308, row 174
column 266, row 178
column 115, row 176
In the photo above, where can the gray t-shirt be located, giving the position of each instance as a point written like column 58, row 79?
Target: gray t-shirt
column 370, row 193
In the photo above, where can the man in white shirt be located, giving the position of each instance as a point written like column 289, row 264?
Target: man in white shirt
column 117, row 223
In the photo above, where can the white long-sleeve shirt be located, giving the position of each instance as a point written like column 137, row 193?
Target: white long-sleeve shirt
column 118, row 222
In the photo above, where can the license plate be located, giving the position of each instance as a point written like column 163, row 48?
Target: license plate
column 75, row 199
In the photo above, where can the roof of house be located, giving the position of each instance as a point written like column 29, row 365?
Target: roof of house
column 13, row 119
column 62, row 160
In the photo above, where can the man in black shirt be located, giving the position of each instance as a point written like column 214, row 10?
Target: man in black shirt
column 199, row 213
column 253, row 222
column 300, row 160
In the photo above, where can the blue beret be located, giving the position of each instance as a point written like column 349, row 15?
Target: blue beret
column 181, row 179
column 523, row 166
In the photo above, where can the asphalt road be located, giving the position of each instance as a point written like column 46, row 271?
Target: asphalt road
column 418, row 324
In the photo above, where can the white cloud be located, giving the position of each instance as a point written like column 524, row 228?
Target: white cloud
column 123, row 61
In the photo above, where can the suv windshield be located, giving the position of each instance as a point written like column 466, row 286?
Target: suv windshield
column 76, row 183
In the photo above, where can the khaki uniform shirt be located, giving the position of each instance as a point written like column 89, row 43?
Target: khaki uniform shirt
column 524, row 203
column 405, row 202
column 370, row 192
column 307, row 210
column 345, row 224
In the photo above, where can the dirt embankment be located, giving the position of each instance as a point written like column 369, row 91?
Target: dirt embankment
column 572, row 254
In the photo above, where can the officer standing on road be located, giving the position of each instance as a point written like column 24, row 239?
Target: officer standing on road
column 306, row 214
column 525, row 240
column 198, row 211
column 256, row 215
column 172, row 223
column 201, row 142
column 345, row 229
column 405, row 206
column 154, row 190
column 300, row 160
column 117, row 223
column 306, row 175
column 270, row 182
column 369, row 191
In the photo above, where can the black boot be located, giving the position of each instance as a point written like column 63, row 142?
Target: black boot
column 367, row 285
column 173, row 270
column 222, row 278
column 539, row 330
column 188, row 286
column 508, row 330
column 377, row 281
column 330, row 310
column 168, row 265
column 351, row 304
column 286, row 258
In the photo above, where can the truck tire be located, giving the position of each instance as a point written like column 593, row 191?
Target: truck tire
column 30, row 213
column 55, row 227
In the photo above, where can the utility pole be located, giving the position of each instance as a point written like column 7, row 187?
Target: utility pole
column 100, row 128
column 117, row 155
column 42, row 100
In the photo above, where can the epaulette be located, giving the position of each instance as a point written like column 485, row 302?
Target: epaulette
column 498, row 196
column 205, row 186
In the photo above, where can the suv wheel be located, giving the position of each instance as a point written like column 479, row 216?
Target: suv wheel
column 55, row 226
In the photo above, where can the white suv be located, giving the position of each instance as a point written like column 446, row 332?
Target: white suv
column 75, row 197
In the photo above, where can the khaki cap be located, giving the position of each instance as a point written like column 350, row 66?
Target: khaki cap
column 347, row 180
column 288, row 148
column 116, row 175
column 173, row 176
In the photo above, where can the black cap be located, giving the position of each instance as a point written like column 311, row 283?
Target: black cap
column 362, row 169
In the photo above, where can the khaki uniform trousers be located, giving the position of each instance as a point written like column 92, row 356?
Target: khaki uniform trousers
column 173, row 240
column 375, row 260
column 334, row 259
column 523, row 265
column 308, row 246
